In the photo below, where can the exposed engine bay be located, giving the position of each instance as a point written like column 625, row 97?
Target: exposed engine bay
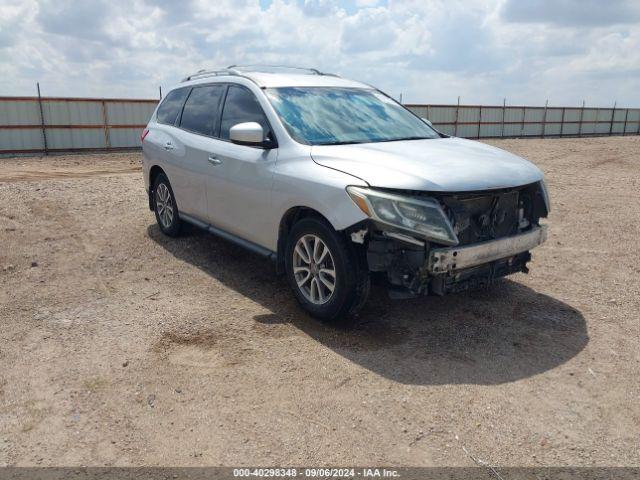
column 500, row 221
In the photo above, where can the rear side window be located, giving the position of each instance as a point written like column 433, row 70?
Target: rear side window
column 202, row 110
column 171, row 105
column 242, row 106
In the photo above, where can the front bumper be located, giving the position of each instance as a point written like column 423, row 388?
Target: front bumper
column 451, row 259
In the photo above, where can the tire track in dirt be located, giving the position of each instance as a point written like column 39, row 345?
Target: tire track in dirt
column 38, row 176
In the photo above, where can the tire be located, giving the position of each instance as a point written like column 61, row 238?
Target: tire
column 350, row 273
column 165, row 207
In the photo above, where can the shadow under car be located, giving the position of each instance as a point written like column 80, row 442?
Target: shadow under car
column 486, row 337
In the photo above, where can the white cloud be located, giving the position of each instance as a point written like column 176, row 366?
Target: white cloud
column 430, row 50
column 371, row 29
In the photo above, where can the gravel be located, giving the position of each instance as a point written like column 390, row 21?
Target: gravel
column 540, row 369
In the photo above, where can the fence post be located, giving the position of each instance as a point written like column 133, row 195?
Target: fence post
column 504, row 106
column 455, row 127
column 105, row 125
column 44, row 128
column 562, row 122
column 544, row 117
column 613, row 114
column 160, row 90
column 524, row 114
column 581, row 117
column 624, row 128
column 479, row 121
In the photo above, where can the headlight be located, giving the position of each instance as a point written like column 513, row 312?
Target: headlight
column 421, row 216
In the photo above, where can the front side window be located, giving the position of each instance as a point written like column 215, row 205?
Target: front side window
column 171, row 105
column 242, row 106
column 202, row 110
column 332, row 115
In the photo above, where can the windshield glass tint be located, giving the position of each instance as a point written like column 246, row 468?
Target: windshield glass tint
column 329, row 115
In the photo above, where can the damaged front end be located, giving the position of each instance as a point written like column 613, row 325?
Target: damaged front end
column 439, row 243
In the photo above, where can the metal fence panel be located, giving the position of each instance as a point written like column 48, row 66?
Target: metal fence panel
column 572, row 114
column 75, row 138
column 513, row 114
column 18, row 112
column 103, row 123
column 467, row 131
column 512, row 130
column 422, row 111
column 28, row 139
column 439, row 114
column 127, row 113
column 619, row 115
column 72, row 113
column 490, row 130
column 446, row 129
column 71, row 123
column 633, row 121
column 125, row 137
column 469, row 115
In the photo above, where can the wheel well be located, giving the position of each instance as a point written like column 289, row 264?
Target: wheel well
column 288, row 220
column 153, row 174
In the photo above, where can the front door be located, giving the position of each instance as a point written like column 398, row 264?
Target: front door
column 245, row 196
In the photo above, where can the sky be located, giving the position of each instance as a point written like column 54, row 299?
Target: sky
column 430, row 51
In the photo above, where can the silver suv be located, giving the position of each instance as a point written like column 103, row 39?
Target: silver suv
column 338, row 184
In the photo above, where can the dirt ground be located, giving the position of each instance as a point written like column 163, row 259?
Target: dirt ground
column 119, row 346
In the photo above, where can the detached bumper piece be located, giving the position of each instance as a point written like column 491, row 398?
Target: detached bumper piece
column 463, row 268
column 450, row 259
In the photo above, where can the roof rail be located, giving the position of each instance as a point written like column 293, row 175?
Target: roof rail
column 212, row 73
column 258, row 66
column 241, row 70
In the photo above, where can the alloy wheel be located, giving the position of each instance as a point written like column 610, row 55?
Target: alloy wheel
column 164, row 205
column 314, row 269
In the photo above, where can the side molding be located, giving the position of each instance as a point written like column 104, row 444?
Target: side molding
column 253, row 247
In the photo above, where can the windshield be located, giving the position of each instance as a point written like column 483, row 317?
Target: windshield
column 331, row 116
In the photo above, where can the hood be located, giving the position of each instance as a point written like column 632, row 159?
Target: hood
column 437, row 165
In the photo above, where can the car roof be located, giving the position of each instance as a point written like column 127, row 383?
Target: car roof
column 298, row 77
column 268, row 80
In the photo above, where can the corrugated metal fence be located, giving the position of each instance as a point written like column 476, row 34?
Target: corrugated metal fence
column 33, row 125
column 480, row 121
column 49, row 124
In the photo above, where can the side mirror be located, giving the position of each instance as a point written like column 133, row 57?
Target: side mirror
column 248, row 133
column 427, row 121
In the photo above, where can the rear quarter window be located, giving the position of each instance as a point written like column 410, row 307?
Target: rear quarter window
column 170, row 107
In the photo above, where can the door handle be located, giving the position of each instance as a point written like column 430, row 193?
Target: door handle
column 169, row 146
column 213, row 160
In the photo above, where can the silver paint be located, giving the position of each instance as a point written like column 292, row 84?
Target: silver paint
column 247, row 190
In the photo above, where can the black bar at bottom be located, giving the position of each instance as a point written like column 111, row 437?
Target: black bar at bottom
column 413, row 473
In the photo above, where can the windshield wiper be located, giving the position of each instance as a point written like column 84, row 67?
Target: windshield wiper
column 346, row 142
column 405, row 138
column 354, row 142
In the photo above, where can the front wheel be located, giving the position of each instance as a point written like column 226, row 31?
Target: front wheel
column 328, row 276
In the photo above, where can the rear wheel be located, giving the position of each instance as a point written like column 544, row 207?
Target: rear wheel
column 328, row 275
column 165, row 207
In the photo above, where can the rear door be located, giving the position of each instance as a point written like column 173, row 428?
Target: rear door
column 244, row 198
column 198, row 124
column 161, row 142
